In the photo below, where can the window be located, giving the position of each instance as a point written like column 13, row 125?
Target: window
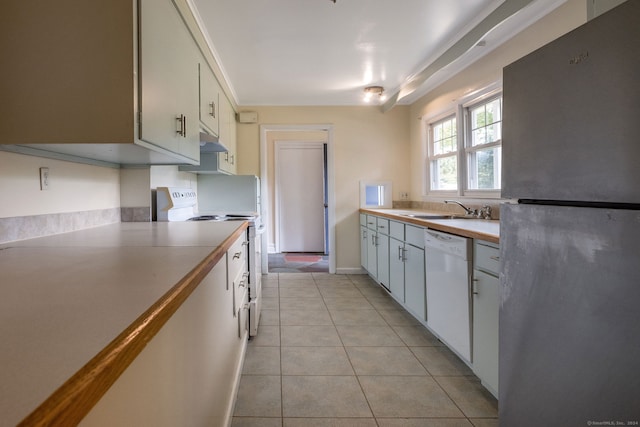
column 483, row 150
column 444, row 154
column 470, row 165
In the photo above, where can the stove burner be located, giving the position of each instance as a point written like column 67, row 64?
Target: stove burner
column 207, row 218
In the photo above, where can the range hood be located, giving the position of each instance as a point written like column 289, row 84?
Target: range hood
column 211, row 144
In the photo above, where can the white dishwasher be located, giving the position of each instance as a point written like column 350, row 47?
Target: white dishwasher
column 448, row 278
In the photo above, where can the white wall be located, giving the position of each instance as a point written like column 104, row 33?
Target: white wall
column 73, row 186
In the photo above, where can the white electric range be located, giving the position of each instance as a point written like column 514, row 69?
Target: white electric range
column 181, row 204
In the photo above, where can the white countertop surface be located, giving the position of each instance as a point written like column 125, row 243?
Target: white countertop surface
column 65, row 297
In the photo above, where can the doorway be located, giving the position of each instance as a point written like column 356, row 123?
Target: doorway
column 300, row 171
column 268, row 135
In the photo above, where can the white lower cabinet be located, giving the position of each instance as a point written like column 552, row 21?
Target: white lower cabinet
column 414, row 282
column 364, row 247
column 396, row 269
column 374, row 248
column 406, row 267
column 382, row 248
column 189, row 373
column 394, row 256
column 486, row 306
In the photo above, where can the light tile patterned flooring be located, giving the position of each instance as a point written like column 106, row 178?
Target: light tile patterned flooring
column 336, row 350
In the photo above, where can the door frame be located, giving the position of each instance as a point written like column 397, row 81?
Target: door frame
column 277, row 196
column 264, row 173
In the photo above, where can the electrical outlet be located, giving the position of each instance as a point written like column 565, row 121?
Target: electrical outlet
column 404, row 195
column 44, row 178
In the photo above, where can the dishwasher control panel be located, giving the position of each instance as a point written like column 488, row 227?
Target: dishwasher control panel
column 448, row 243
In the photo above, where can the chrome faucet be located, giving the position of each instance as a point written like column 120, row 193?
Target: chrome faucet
column 484, row 213
column 466, row 209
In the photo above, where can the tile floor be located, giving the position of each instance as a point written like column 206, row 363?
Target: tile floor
column 336, row 350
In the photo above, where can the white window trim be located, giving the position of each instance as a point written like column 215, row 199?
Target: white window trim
column 459, row 108
column 443, row 115
column 494, row 92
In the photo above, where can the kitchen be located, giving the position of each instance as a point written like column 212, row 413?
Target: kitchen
column 94, row 195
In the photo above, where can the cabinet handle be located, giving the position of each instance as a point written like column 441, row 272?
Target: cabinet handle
column 233, row 159
column 181, row 125
column 212, row 111
column 474, row 291
column 495, row 258
column 237, row 255
column 241, row 284
column 184, row 133
column 404, row 255
column 381, row 226
column 400, row 253
column 364, row 234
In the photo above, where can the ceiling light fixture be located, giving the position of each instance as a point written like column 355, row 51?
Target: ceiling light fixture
column 371, row 91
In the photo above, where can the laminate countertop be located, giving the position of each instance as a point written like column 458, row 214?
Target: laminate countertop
column 482, row 229
column 67, row 298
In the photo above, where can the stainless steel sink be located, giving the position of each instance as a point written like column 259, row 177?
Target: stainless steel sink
column 427, row 216
column 435, row 216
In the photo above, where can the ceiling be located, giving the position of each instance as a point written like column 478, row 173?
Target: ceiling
column 317, row 52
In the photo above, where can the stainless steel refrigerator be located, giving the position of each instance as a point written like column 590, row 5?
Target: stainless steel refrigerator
column 570, row 245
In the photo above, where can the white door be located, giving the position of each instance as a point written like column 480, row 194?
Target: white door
column 300, row 196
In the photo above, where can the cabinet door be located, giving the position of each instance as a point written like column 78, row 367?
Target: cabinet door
column 415, row 281
column 382, row 241
column 209, row 103
column 396, row 269
column 168, row 80
column 372, row 254
column 486, row 306
column 227, row 135
column 364, row 247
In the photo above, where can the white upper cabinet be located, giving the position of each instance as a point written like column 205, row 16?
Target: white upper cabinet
column 209, row 103
column 227, row 160
column 110, row 81
column 168, row 80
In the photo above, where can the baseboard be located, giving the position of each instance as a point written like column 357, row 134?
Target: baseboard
column 351, row 271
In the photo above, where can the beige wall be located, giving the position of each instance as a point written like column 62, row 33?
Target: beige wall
column 367, row 144
column 484, row 72
column 73, row 187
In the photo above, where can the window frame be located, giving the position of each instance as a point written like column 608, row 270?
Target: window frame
column 431, row 156
column 468, row 141
column 460, row 109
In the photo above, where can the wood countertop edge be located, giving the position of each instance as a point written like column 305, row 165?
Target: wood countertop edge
column 73, row 400
column 437, row 226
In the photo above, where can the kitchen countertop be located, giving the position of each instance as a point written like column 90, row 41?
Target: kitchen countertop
column 482, row 229
column 90, row 296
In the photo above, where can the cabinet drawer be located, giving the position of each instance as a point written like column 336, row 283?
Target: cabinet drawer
column 239, row 286
column 236, row 259
column 382, row 225
column 363, row 219
column 396, row 230
column 371, row 222
column 414, row 235
column 487, row 257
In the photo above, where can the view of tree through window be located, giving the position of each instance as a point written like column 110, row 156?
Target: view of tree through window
column 484, row 154
column 444, row 166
